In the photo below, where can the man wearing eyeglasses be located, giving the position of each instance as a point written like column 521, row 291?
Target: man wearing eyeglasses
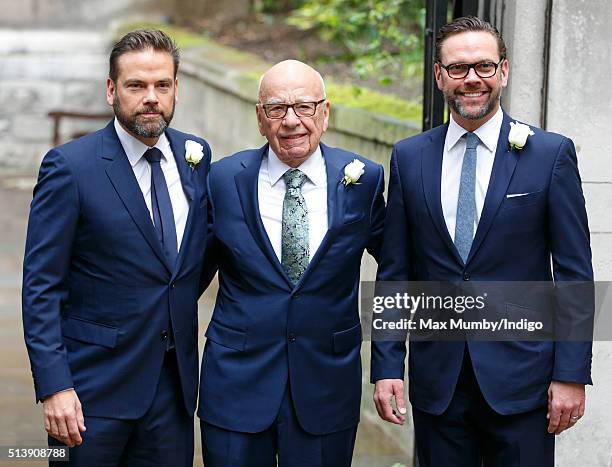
column 281, row 372
column 472, row 201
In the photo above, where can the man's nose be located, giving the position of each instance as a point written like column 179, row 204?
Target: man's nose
column 472, row 77
column 151, row 95
column 291, row 119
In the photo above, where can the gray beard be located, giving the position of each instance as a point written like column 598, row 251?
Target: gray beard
column 131, row 123
column 485, row 110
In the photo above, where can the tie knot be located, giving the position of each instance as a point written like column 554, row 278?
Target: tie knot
column 294, row 178
column 153, row 155
column 471, row 140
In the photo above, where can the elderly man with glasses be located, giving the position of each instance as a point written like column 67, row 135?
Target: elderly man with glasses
column 281, row 372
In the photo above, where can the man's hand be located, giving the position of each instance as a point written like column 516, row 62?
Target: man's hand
column 64, row 418
column 565, row 405
column 384, row 392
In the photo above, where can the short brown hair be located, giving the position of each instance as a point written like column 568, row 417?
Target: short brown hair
column 142, row 39
column 467, row 24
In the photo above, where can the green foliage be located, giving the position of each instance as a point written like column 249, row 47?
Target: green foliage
column 358, row 97
column 276, row 6
column 378, row 36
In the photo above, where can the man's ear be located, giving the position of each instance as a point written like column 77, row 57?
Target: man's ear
column 326, row 106
column 505, row 71
column 260, row 116
column 437, row 69
column 110, row 91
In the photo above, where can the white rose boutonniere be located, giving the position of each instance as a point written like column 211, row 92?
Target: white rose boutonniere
column 193, row 153
column 352, row 172
column 519, row 132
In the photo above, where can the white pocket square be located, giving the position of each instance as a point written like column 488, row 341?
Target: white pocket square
column 516, row 195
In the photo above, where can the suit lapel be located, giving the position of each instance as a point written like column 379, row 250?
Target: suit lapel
column 431, row 173
column 246, row 184
column 121, row 175
column 336, row 193
column 501, row 174
column 177, row 144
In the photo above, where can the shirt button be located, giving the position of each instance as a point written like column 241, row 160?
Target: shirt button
column 164, row 335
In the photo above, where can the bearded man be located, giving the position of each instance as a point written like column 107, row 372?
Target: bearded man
column 484, row 198
column 114, row 249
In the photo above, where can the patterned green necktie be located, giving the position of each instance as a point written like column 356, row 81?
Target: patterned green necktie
column 294, row 237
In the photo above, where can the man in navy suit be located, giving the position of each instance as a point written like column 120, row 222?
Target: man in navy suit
column 464, row 206
column 113, row 259
column 281, row 372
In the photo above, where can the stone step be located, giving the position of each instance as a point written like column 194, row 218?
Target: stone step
column 53, row 41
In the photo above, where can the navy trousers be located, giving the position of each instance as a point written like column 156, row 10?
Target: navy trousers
column 163, row 437
column 471, row 434
column 284, row 444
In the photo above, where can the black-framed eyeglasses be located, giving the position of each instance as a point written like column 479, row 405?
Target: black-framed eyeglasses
column 461, row 70
column 301, row 109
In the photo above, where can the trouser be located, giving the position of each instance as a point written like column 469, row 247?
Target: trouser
column 469, row 433
column 285, row 444
column 163, row 436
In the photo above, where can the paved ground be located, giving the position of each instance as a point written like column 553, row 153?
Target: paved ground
column 21, row 418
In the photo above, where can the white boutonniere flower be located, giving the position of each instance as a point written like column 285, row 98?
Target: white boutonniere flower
column 519, row 132
column 194, row 152
column 353, row 172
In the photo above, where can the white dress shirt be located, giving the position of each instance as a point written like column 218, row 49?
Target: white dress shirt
column 452, row 160
column 271, row 193
column 135, row 149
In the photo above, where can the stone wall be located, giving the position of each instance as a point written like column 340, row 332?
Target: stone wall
column 73, row 14
column 42, row 71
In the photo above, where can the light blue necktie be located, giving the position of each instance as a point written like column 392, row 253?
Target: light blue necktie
column 294, row 234
column 466, row 202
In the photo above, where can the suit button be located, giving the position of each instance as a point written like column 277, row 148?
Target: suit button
column 164, row 335
column 466, row 277
column 296, row 296
column 171, row 285
column 291, row 337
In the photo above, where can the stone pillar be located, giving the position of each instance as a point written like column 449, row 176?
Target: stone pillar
column 570, row 96
column 579, row 106
column 523, row 29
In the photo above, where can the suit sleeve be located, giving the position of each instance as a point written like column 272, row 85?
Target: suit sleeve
column 51, row 231
column 572, row 270
column 210, row 261
column 377, row 217
column 394, row 265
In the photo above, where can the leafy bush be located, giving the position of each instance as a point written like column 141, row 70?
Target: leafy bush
column 378, row 36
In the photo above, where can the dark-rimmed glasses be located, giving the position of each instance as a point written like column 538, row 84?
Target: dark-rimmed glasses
column 461, row 70
column 301, row 109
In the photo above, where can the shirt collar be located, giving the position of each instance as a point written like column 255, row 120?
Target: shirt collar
column 134, row 148
column 313, row 167
column 488, row 133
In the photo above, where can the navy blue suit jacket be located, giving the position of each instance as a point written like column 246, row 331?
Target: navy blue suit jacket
column 266, row 333
column 515, row 240
column 97, row 288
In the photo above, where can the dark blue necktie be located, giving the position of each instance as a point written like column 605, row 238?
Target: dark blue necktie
column 163, row 217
